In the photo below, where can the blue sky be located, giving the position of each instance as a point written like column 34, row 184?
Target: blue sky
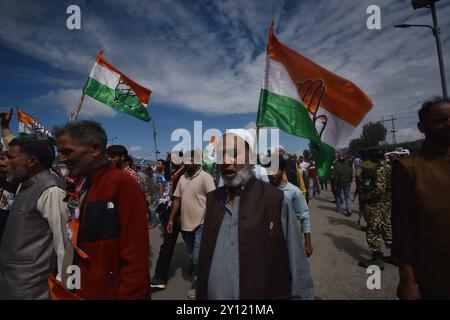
column 204, row 60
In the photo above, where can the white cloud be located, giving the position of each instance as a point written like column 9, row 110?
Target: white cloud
column 67, row 99
column 135, row 148
column 209, row 57
column 250, row 125
column 408, row 134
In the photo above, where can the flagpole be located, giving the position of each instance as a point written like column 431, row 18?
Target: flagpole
column 154, row 139
column 77, row 109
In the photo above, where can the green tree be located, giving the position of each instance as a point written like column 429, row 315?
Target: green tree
column 373, row 133
column 354, row 146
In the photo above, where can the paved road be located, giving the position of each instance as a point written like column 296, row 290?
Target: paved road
column 338, row 245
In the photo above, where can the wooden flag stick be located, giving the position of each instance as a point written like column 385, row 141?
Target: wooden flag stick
column 77, row 109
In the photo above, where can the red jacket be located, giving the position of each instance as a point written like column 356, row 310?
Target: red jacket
column 114, row 234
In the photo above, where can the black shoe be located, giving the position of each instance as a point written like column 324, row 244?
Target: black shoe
column 192, row 269
column 391, row 260
column 377, row 260
column 367, row 263
column 158, row 284
column 348, row 213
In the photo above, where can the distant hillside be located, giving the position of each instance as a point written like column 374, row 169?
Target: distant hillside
column 412, row 146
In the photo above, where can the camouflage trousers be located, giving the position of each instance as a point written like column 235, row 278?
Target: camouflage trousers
column 379, row 230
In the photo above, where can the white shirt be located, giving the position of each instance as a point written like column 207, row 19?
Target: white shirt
column 304, row 166
column 53, row 209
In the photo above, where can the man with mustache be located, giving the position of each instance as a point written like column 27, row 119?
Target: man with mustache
column 34, row 238
column 7, row 189
column 108, row 218
column 251, row 245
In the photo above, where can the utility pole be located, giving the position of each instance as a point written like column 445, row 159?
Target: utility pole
column 393, row 129
column 437, row 36
column 393, row 132
column 431, row 4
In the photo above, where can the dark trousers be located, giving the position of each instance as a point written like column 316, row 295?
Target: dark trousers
column 3, row 219
column 167, row 246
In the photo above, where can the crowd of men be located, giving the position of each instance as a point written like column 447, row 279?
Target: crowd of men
column 246, row 225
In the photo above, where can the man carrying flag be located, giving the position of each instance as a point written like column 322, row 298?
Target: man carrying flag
column 306, row 100
column 28, row 126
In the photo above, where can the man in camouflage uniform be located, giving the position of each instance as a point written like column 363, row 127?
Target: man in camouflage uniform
column 378, row 210
column 366, row 178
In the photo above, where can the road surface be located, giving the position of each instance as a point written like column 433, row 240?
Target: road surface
column 338, row 245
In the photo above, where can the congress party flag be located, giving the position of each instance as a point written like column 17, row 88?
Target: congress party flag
column 111, row 87
column 29, row 126
column 306, row 100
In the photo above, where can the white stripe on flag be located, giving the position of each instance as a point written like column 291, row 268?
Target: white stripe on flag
column 105, row 76
column 279, row 81
column 337, row 131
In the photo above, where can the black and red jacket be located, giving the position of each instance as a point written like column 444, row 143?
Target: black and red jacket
column 114, row 234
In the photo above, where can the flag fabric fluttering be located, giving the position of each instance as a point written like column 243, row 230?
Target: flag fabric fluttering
column 209, row 156
column 111, row 87
column 29, row 126
column 306, row 100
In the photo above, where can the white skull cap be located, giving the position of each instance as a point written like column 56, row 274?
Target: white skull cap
column 248, row 135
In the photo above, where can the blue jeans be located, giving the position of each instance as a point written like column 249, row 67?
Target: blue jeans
column 346, row 190
column 192, row 240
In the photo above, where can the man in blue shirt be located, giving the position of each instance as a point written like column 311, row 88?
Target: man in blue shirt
column 296, row 197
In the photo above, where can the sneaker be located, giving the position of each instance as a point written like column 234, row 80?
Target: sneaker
column 191, row 295
column 158, row 284
column 347, row 213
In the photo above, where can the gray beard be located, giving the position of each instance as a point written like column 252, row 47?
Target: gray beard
column 241, row 178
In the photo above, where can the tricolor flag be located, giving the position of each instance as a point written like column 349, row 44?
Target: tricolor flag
column 108, row 85
column 209, row 157
column 303, row 99
column 29, row 126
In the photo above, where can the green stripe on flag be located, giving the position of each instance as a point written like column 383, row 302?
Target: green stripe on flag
column 291, row 116
column 38, row 135
column 324, row 156
column 108, row 96
column 285, row 113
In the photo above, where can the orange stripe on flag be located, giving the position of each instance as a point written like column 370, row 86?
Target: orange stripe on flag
column 25, row 118
column 342, row 98
column 142, row 92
